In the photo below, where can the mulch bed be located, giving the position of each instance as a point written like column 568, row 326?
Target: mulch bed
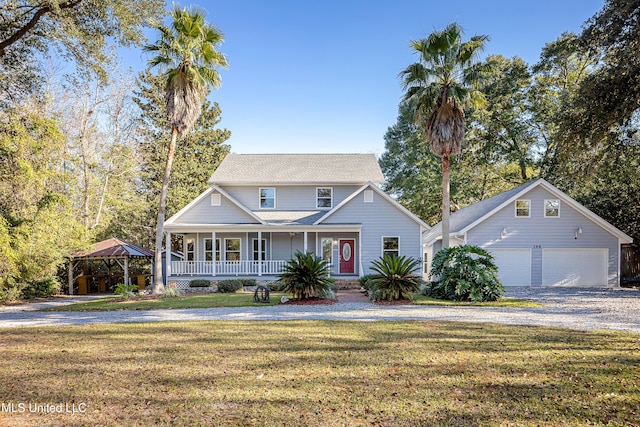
column 311, row 301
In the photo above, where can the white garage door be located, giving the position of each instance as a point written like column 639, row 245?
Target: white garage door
column 514, row 266
column 574, row 267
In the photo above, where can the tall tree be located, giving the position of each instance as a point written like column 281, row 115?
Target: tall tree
column 197, row 155
column 77, row 30
column 187, row 53
column 438, row 87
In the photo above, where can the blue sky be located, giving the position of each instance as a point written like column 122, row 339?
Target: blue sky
column 322, row 76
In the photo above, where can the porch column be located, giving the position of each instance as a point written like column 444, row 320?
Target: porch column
column 215, row 250
column 167, row 257
column 305, row 242
column 360, row 253
column 71, row 276
column 259, row 253
column 126, row 272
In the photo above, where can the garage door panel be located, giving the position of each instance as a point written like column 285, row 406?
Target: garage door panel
column 574, row 267
column 514, row 266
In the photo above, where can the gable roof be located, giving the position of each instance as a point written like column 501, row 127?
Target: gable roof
column 466, row 218
column 271, row 169
column 385, row 196
column 116, row 248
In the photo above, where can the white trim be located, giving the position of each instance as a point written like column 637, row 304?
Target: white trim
column 197, row 200
column 382, row 194
column 515, row 208
column 224, row 249
column 324, row 198
column 382, row 243
column 353, row 249
column 544, row 208
column 624, row 238
column 260, row 198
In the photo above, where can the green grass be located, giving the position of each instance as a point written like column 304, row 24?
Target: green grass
column 238, row 299
column 321, row 373
column 502, row 302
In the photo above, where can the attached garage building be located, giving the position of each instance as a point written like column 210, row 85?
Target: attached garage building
column 539, row 236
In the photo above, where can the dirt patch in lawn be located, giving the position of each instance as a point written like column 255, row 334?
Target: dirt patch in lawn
column 311, row 301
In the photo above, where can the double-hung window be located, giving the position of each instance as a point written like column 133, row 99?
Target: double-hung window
column 208, row 250
column 391, row 246
column 267, row 198
column 324, row 197
column 232, row 249
column 552, row 208
column 523, row 208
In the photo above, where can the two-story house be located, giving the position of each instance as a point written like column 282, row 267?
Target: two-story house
column 262, row 208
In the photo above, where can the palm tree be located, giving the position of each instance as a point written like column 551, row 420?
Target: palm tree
column 437, row 88
column 187, row 55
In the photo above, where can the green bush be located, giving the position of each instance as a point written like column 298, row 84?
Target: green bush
column 41, row 288
column 125, row 292
column 464, row 273
column 394, row 278
column 277, row 286
column 247, row 282
column 365, row 281
column 229, row 286
column 199, row 284
column 307, row 275
column 171, row 293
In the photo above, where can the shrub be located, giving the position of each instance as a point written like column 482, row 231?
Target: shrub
column 199, row 284
column 464, row 273
column 307, row 275
column 394, row 278
column 247, row 282
column 365, row 281
column 229, row 286
column 124, row 291
column 277, row 286
column 41, row 288
column 170, row 293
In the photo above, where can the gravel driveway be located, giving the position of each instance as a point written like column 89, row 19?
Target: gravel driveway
column 582, row 309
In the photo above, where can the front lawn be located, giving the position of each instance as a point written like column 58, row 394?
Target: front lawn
column 319, row 373
column 502, row 302
column 211, row 300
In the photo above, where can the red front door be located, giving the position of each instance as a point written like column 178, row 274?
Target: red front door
column 347, row 256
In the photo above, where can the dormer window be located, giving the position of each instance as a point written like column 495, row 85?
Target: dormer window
column 324, row 197
column 267, row 198
column 523, row 208
column 552, row 208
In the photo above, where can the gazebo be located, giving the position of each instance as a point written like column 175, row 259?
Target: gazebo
column 110, row 252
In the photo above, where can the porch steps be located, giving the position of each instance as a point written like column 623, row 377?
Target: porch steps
column 344, row 284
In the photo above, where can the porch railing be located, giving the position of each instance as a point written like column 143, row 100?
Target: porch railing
column 226, row 268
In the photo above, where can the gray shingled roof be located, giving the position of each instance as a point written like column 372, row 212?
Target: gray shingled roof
column 289, row 217
column 298, row 169
column 468, row 215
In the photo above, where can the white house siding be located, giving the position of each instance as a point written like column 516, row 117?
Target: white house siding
column 289, row 198
column 538, row 233
column 379, row 219
column 203, row 213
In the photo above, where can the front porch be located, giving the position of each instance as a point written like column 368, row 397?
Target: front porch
column 262, row 254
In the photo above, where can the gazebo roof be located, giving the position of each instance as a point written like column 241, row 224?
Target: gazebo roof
column 116, row 248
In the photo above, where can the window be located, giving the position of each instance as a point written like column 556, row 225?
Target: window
column 190, row 249
column 208, row 250
column 324, row 197
column 425, row 263
column 232, row 249
column 216, row 199
column 551, row 208
column 267, row 198
column 391, row 246
column 255, row 249
column 523, row 208
column 327, row 250
column 368, row 196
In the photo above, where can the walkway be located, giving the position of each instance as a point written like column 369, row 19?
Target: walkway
column 570, row 308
